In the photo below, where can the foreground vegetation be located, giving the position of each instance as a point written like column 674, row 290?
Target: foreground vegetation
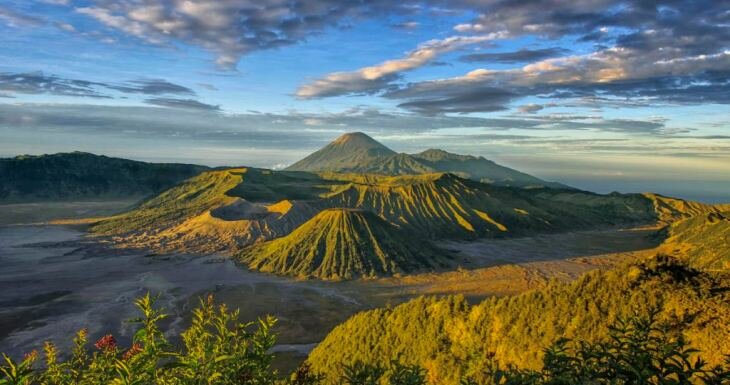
column 451, row 339
column 218, row 349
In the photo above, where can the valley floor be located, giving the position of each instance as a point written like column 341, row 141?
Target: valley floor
column 42, row 212
column 54, row 281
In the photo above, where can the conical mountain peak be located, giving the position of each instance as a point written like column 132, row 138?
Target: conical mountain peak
column 342, row 243
column 348, row 152
column 356, row 152
column 358, row 139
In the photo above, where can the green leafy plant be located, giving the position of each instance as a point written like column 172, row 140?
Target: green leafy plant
column 218, row 349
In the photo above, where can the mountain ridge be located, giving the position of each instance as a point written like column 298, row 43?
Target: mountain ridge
column 359, row 153
column 82, row 175
column 342, row 243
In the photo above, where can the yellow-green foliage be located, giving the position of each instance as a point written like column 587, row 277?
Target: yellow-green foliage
column 670, row 210
column 430, row 205
column 446, row 206
column 703, row 240
column 190, row 198
column 450, row 338
column 342, row 243
column 217, row 350
column 229, row 210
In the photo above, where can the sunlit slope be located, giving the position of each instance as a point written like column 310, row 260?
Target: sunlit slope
column 444, row 206
column 449, row 337
column 225, row 210
column 703, row 240
column 670, row 210
column 188, row 199
column 343, row 243
column 207, row 214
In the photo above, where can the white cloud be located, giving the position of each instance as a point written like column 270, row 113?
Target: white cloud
column 377, row 77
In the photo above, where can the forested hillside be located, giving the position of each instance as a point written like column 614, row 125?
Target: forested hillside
column 703, row 240
column 80, row 176
column 451, row 338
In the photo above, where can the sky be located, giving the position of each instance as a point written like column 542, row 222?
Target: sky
column 603, row 95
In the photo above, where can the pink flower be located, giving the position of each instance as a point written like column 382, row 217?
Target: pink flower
column 133, row 351
column 106, row 343
column 31, row 356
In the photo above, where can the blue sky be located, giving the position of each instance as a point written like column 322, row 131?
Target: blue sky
column 602, row 94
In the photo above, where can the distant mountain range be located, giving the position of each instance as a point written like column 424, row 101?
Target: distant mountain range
column 80, row 175
column 340, row 226
column 354, row 208
column 85, row 176
column 359, row 153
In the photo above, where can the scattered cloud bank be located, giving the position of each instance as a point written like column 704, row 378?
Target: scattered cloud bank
column 199, row 120
column 614, row 73
column 520, row 56
column 655, row 52
column 649, row 51
column 15, row 18
column 40, row 83
column 378, row 77
column 230, row 28
column 190, row 104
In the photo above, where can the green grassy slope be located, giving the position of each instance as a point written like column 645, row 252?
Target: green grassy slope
column 703, row 240
column 83, row 176
column 190, row 198
column 342, row 243
column 670, row 210
column 446, row 206
column 449, row 337
column 228, row 210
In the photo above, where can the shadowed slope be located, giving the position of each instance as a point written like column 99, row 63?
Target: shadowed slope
column 359, row 153
column 347, row 152
column 446, row 206
column 479, row 169
column 83, row 176
column 342, row 243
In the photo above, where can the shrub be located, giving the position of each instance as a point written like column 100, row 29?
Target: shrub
column 218, row 349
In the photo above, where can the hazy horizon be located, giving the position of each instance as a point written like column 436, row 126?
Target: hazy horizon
column 601, row 181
